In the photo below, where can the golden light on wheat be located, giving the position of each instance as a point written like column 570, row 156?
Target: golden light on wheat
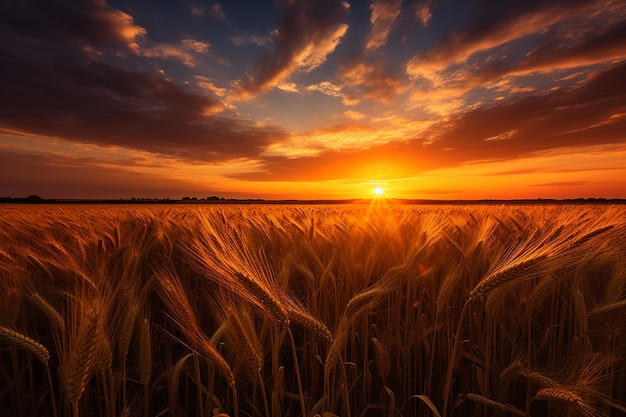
column 313, row 310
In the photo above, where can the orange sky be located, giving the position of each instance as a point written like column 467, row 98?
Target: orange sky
column 313, row 100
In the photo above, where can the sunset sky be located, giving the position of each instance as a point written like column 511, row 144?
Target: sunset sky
column 440, row 99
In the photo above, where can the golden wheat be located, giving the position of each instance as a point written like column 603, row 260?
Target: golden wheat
column 522, row 269
column 182, row 293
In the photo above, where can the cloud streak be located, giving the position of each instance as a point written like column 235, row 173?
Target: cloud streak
column 383, row 18
column 512, row 24
column 307, row 34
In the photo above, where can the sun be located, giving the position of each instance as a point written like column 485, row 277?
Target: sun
column 379, row 191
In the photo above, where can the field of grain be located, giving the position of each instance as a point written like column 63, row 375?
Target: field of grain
column 313, row 310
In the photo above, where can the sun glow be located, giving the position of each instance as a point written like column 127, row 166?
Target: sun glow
column 378, row 191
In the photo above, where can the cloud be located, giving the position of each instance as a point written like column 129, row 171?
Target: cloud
column 495, row 58
column 370, row 82
column 423, row 13
column 288, row 87
column 333, row 90
column 217, row 11
column 56, row 176
column 78, row 98
column 595, row 47
column 383, row 17
column 207, row 85
column 354, row 115
column 308, row 33
column 183, row 53
column 327, row 88
column 561, row 184
column 498, row 28
column 87, row 24
column 196, row 45
column 197, row 10
column 257, row 40
column 167, row 51
column 592, row 113
column 54, row 88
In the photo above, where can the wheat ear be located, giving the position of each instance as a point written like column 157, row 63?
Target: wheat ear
column 126, row 332
column 336, row 347
column 307, row 320
column 53, row 315
column 383, row 363
column 607, row 309
column 25, row 342
column 519, row 270
column 495, row 404
column 266, row 298
column 559, row 394
column 145, row 352
column 83, row 356
column 246, row 343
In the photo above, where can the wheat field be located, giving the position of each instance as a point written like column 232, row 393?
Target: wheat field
column 350, row 311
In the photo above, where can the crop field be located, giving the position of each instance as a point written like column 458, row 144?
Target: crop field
column 336, row 310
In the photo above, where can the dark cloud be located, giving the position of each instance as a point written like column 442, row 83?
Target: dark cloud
column 592, row 47
column 592, row 113
column 92, row 102
column 54, row 88
column 86, row 23
column 307, row 33
column 54, row 176
column 497, row 23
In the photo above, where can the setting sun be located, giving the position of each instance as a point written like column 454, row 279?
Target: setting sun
column 379, row 191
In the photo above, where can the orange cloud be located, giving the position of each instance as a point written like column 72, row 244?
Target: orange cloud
column 591, row 115
column 370, row 82
column 423, row 13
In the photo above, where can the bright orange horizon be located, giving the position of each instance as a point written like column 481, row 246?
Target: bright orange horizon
column 314, row 100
